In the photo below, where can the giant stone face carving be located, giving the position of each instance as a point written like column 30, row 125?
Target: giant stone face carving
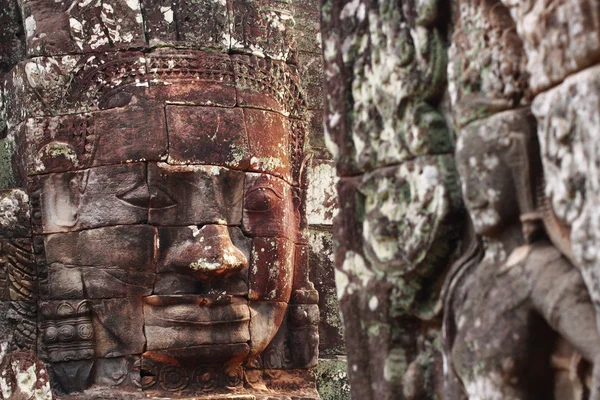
column 167, row 217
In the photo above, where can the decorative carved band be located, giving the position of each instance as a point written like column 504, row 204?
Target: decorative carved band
column 67, row 330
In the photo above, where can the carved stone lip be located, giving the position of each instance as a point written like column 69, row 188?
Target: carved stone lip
column 200, row 300
column 193, row 310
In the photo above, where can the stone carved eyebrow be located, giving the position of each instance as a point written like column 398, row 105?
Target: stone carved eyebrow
column 263, row 183
column 263, row 187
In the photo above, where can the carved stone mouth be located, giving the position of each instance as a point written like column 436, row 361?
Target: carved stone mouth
column 195, row 310
column 189, row 320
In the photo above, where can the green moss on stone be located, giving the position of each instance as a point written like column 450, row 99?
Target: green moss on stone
column 332, row 379
column 7, row 179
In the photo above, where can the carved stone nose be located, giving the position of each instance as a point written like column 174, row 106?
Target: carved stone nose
column 216, row 255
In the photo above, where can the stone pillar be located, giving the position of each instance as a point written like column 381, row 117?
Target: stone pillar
column 400, row 220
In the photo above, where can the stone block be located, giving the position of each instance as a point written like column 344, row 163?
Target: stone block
column 559, row 37
column 568, row 128
column 486, row 62
column 18, row 330
column 269, row 137
column 12, row 43
column 118, row 328
column 175, row 243
column 12, row 156
column 198, row 24
column 72, row 376
column 263, row 28
column 321, row 266
column 207, row 135
column 129, row 248
column 307, row 27
column 58, row 144
column 271, row 269
column 268, row 207
column 65, row 331
column 14, row 214
column 61, row 27
column 178, row 249
column 267, row 84
column 332, row 379
column 71, row 84
column 266, row 318
column 310, row 67
column 176, row 322
column 194, row 195
column 118, row 373
column 315, row 134
column 92, row 198
column 69, row 282
column 411, row 209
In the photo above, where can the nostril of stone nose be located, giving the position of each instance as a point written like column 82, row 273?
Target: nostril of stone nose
column 217, row 255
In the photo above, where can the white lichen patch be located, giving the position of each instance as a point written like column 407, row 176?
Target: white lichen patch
column 487, row 388
column 207, row 169
column 27, row 381
column 30, row 26
column 55, row 150
column 13, row 208
column 354, row 265
column 167, row 13
column 321, row 198
column 267, row 163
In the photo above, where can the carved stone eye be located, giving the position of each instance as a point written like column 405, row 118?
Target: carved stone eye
column 261, row 199
column 160, row 199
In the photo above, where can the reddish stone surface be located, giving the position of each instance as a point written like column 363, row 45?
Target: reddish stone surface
column 207, row 135
column 101, row 196
column 118, row 329
column 263, row 28
column 164, row 188
column 270, row 147
column 268, row 207
column 267, row 84
column 102, row 138
column 191, row 77
column 271, row 269
column 182, row 322
column 194, row 195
